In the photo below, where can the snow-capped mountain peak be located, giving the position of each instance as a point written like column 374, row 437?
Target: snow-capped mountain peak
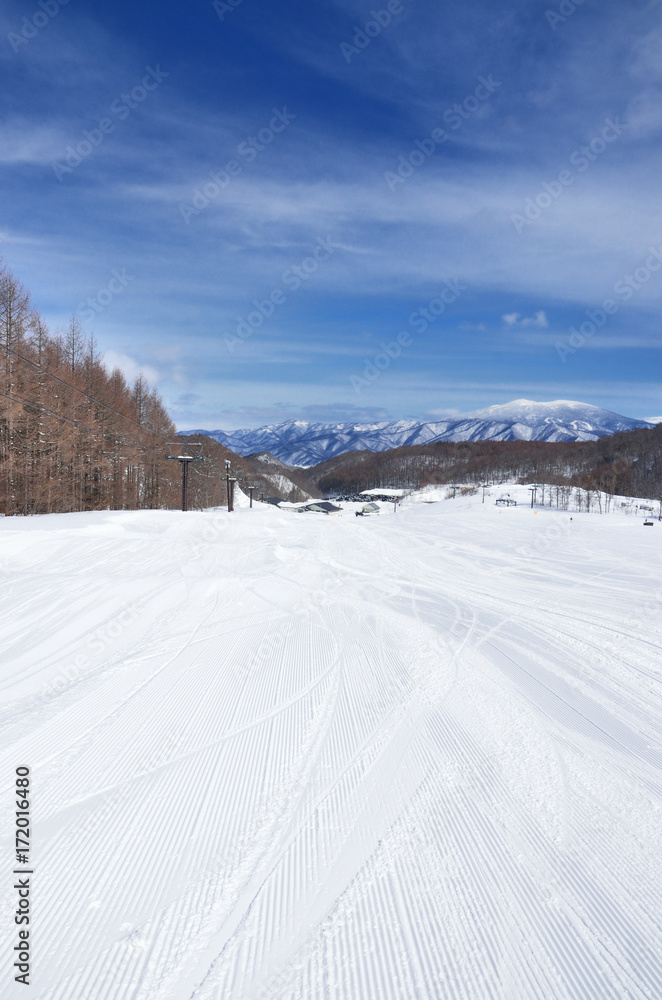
column 298, row 442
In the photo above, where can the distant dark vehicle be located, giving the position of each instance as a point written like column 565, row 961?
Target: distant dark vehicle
column 648, row 524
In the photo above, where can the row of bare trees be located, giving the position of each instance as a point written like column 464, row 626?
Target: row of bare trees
column 72, row 435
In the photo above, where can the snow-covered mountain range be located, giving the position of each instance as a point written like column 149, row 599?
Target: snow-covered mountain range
column 298, row 442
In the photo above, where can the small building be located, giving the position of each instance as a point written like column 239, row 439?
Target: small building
column 384, row 494
column 323, row 507
column 506, row 502
column 367, row 509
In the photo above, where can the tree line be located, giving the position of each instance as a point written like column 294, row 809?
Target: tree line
column 74, row 436
column 628, row 463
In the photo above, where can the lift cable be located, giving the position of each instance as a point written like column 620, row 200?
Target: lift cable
column 92, row 399
column 71, row 420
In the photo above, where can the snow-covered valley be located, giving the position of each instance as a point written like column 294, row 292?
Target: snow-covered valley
column 411, row 756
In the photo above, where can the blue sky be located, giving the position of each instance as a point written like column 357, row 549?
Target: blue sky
column 249, row 200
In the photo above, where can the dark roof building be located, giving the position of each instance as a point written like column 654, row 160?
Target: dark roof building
column 324, row 507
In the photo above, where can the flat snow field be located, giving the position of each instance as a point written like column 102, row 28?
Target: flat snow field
column 278, row 755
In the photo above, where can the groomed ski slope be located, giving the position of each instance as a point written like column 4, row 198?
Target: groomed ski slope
column 336, row 758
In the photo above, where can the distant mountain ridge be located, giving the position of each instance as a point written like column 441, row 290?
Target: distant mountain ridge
column 298, row 442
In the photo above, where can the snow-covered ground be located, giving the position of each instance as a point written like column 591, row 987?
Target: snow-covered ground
column 408, row 756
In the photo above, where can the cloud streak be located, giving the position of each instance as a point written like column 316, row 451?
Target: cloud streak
column 195, row 280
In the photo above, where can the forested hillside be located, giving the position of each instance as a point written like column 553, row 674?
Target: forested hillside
column 72, row 435
column 628, row 463
column 207, row 480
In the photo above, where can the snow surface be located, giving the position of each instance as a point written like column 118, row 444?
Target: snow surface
column 383, row 493
column 300, row 443
column 414, row 756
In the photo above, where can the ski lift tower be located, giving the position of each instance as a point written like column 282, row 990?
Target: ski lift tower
column 533, row 487
column 229, row 482
column 185, row 453
column 484, row 486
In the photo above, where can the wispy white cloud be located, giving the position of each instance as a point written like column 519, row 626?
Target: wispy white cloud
column 129, row 367
column 515, row 319
column 257, row 416
column 24, row 144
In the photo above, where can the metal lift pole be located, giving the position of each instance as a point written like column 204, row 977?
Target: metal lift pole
column 184, row 484
column 191, row 452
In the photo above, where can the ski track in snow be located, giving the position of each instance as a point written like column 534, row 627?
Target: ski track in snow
column 310, row 758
